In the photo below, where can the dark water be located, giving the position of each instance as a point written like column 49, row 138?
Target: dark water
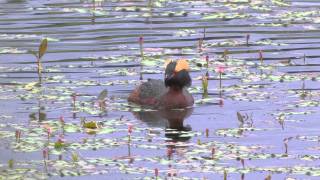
column 95, row 47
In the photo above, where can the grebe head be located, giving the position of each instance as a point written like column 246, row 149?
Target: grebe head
column 177, row 74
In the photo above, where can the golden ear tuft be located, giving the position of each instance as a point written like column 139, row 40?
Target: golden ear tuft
column 182, row 64
column 167, row 62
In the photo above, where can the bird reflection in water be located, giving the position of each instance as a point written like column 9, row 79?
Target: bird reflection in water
column 171, row 119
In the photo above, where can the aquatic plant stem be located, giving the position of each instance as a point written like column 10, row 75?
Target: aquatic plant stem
column 225, row 54
column 39, row 70
column 42, row 50
column 156, row 172
column 205, row 85
column 247, row 39
column 45, row 156
column 150, row 4
column 129, row 145
column 220, row 80
column 18, row 135
column 213, row 151
column 141, row 41
column 74, row 100
column 200, row 42
column 207, row 62
column 261, row 57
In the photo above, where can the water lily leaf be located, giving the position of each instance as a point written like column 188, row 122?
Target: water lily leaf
column 90, row 125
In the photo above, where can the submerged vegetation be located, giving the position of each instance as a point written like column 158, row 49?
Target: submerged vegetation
column 254, row 66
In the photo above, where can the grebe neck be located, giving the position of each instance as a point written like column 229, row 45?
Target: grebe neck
column 175, row 90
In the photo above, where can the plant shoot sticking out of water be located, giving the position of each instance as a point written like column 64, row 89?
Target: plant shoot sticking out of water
column 213, row 151
column 141, row 41
column 59, row 144
column 205, row 86
column 74, row 97
column 261, row 56
column 207, row 61
column 61, row 119
column 150, row 4
column 220, row 70
column 200, row 42
column 240, row 118
column 18, row 135
column 42, row 50
column 247, row 39
column 130, row 128
column 45, row 155
column 156, row 173
column 10, row 163
column 225, row 54
column 102, row 99
column 49, row 130
column 75, row 157
column 169, row 152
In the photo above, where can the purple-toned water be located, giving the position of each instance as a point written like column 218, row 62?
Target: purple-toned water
column 263, row 121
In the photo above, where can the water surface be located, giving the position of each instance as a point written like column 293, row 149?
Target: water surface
column 93, row 48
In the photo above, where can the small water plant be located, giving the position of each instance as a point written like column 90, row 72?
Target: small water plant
column 18, row 135
column 213, row 152
column 261, row 56
column 205, row 86
column 130, row 128
column 90, row 125
column 48, row 130
column 74, row 157
column 102, row 99
column 220, row 70
column 200, row 42
column 141, row 41
column 59, row 144
column 61, row 120
column 74, row 97
column 42, row 50
column 225, row 54
column 156, row 172
column 247, row 39
column 45, row 155
column 169, row 152
column 207, row 62
column 10, row 163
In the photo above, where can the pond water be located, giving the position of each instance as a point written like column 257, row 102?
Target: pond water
column 263, row 121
